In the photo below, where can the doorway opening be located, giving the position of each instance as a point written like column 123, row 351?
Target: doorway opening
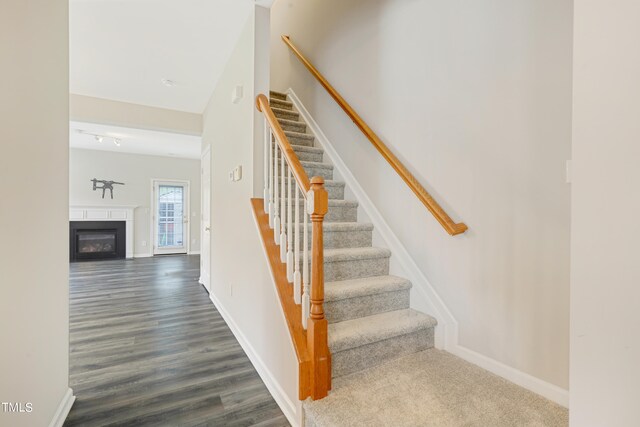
column 170, row 217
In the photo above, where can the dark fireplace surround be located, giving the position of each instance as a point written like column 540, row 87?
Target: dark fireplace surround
column 96, row 240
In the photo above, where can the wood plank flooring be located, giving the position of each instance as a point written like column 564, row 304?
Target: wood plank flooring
column 147, row 347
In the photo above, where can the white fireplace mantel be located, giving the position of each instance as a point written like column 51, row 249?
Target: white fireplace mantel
column 107, row 213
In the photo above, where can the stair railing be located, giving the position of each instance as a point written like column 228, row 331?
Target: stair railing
column 284, row 175
column 423, row 195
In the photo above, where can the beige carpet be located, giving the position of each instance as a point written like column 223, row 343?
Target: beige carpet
column 431, row 388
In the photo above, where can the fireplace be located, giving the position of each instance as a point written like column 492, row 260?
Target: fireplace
column 95, row 240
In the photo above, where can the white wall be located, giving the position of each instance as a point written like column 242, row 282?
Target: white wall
column 475, row 98
column 605, row 272
column 241, row 286
column 34, row 125
column 136, row 171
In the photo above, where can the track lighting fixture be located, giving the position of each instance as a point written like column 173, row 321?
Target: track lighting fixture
column 100, row 138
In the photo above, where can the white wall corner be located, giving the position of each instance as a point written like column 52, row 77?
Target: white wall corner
column 63, row 409
column 286, row 405
column 446, row 336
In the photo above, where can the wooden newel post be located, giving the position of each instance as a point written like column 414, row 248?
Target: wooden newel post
column 318, row 202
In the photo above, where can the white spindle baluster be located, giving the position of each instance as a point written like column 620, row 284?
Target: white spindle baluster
column 266, row 166
column 306, row 290
column 289, row 228
column 271, row 148
column 283, row 212
column 276, row 206
column 297, row 280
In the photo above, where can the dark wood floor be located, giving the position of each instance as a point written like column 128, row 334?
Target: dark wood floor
column 147, row 347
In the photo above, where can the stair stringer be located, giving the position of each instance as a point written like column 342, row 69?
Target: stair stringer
column 423, row 296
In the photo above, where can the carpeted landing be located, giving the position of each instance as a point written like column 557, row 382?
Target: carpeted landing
column 430, row 388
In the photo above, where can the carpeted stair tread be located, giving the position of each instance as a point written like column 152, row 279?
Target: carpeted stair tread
column 279, row 103
column 345, row 226
column 299, row 135
column 294, row 122
column 354, row 288
column 338, row 203
column 286, row 114
column 366, row 330
column 334, row 188
column 277, row 95
column 305, row 149
column 284, row 122
column 430, row 388
column 316, row 165
column 355, row 254
column 331, row 183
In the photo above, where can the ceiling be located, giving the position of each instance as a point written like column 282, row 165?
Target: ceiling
column 123, row 49
column 136, row 141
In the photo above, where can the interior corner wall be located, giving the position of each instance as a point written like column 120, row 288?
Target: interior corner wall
column 136, row 171
column 475, row 98
column 34, row 121
column 241, row 285
column 605, row 272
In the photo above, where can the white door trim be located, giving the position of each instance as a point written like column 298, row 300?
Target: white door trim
column 186, row 213
column 205, row 276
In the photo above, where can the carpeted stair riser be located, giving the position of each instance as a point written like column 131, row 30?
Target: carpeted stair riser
column 292, row 126
column 356, row 268
column 369, row 355
column 318, row 169
column 346, row 239
column 353, row 269
column 286, row 114
column 337, row 239
column 339, row 211
column 366, row 305
column 297, row 138
column 305, row 156
column 335, row 190
column 277, row 95
column 279, row 103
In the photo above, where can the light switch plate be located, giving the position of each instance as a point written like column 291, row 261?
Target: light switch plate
column 237, row 94
column 237, row 173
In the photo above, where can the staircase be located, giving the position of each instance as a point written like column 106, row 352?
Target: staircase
column 365, row 358
column 370, row 321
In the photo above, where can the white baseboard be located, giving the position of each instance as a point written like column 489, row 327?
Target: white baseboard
column 281, row 398
column 143, row 255
column 447, row 336
column 550, row 391
column 63, row 409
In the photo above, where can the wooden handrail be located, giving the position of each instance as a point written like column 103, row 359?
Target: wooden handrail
column 262, row 103
column 441, row 216
column 312, row 348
